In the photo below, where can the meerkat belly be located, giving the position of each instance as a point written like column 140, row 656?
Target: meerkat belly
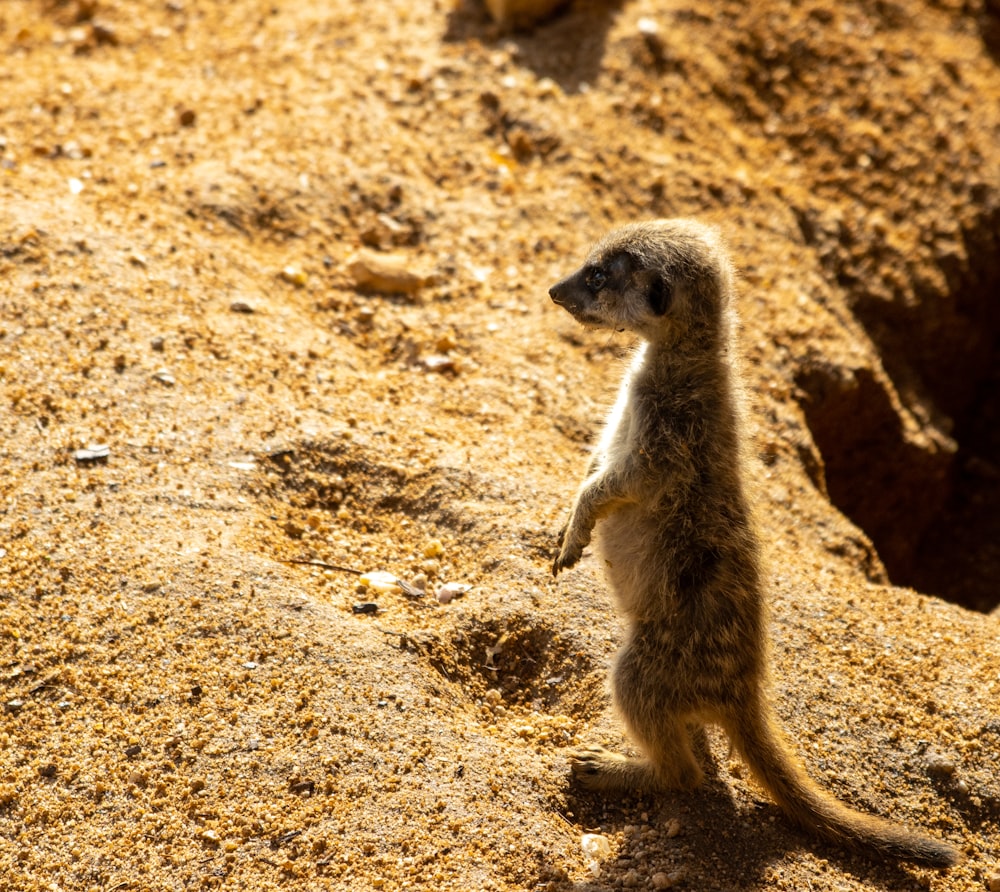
column 629, row 544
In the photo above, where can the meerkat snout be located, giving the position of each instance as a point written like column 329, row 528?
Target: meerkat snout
column 575, row 293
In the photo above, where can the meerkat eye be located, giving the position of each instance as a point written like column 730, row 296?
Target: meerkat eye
column 596, row 279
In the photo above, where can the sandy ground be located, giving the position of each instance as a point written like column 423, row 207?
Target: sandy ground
column 273, row 289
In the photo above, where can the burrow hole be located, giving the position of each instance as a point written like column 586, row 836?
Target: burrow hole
column 929, row 499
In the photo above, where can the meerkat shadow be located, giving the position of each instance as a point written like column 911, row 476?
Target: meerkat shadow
column 708, row 837
column 566, row 46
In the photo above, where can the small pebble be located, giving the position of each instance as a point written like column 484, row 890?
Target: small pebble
column 596, row 849
column 385, row 273
column 434, row 548
column 595, row 846
column 241, row 306
column 103, row 34
column 431, row 567
column 437, row 363
column 660, row 880
column 95, row 452
column 379, row 581
column 294, row 276
column 939, row 764
column 366, row 608
column 993, row 882
column 451, row 590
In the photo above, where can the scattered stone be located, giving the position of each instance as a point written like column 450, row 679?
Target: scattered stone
column 438, row 363
column 295, row 276
column 379, row 581
column 385, row 273
column 187, row 117
column 103, row 34
column 673, row 828
column 133, row 751
column 366, row 608
column 663, row 880
column 431, row 567
column 95, row 452
column 596, row 848
column 940, row 765
column 13, row 706
column 451, row 590
column 241, row 306
column 165, row 378
column 49, row 770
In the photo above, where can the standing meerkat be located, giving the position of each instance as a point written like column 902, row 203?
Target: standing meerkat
column 677, row 537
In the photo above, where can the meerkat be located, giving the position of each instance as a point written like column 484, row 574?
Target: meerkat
column 677, row 537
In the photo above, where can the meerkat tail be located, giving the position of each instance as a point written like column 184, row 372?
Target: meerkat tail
column 762, row 745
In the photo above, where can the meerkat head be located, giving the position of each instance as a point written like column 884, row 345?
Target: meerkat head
column 662, row 280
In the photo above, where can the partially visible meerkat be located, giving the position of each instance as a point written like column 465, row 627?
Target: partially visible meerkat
column 677, row 538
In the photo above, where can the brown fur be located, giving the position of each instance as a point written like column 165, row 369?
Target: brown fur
column 677, row 537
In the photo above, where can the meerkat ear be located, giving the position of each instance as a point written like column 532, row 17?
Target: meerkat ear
column 659, row 293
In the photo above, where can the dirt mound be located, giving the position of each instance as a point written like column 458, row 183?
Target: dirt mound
column 220, row 410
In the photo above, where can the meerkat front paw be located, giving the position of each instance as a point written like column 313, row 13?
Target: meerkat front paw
column 566, row 558
column 570, row 549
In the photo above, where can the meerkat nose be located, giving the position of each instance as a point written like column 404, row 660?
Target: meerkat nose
column 557, row 293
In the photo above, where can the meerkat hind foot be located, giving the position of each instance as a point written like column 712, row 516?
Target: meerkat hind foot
column 602, row 770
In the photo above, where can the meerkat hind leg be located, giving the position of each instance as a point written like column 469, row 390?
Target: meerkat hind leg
column 669, row 764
